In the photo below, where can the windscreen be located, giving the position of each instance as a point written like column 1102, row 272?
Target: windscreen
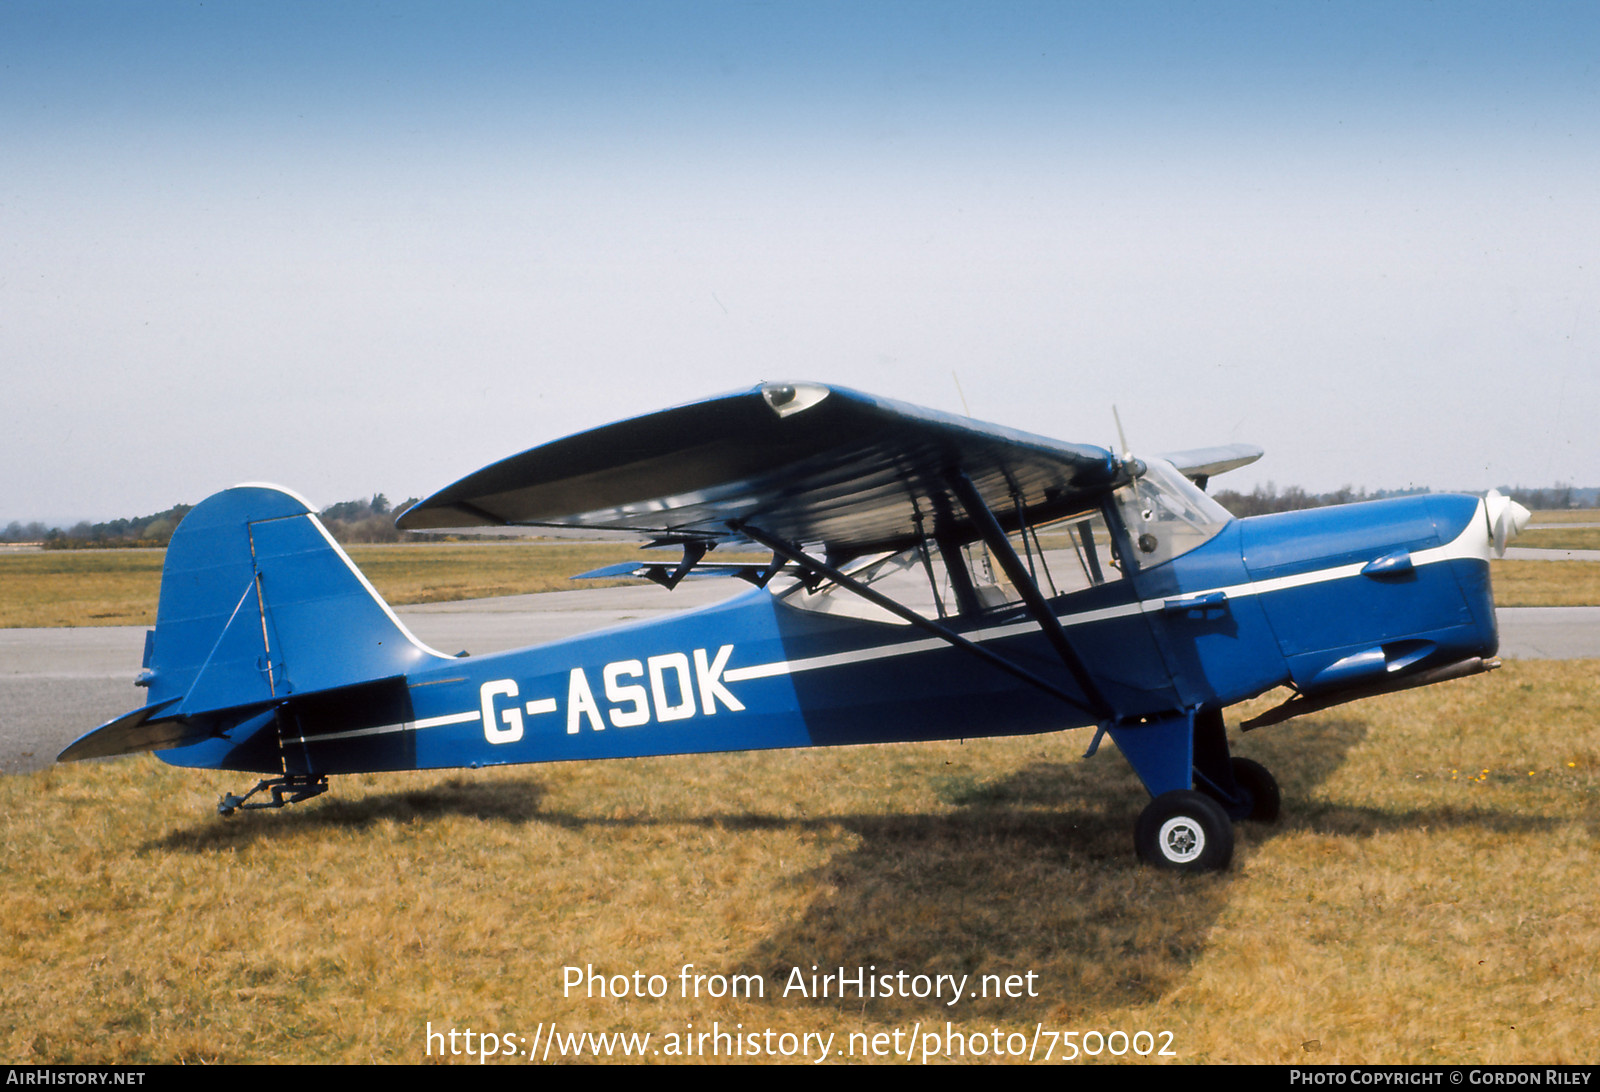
column 1167, row 515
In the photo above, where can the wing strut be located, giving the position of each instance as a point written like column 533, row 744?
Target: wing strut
column 811, row 565
column 693, row 551
column 1017, row 573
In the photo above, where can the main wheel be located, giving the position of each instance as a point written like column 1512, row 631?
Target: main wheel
column 1258, row 799
column 1184, row 831
column 1261, row 787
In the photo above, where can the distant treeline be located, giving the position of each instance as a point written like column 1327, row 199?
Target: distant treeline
column 373, row 520
column 365, row 521
column 143, row 531
column 349, row 521
column 1560, row 496
column 1264, row 499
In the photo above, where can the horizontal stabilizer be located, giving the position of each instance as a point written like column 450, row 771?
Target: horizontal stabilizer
column 1203, row 463
column 141, row 730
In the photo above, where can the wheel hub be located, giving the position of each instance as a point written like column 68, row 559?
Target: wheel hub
column 1182, row 839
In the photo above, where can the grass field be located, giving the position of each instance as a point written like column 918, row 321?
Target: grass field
column 1545, row 583
column 1566, row 515
column 1428, row 897
column 1558, row 538
column 1547, row 533
column 120, row 587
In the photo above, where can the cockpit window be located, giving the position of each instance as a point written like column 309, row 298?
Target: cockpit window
column 1076, row 553
column 901, row 577
column 1166, row 515
column 1062, row 557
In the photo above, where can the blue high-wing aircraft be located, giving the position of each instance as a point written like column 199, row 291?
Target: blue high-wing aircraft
column 932, row 577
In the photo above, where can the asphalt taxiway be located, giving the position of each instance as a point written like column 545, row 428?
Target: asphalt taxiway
column 56, row 684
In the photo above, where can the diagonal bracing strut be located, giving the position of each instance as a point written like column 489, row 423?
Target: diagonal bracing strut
column 810, row 564
column 995, row 538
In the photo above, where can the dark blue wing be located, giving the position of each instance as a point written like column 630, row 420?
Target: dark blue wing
column 802, row 461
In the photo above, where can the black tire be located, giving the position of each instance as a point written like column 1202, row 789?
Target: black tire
column 1258, row 784
column 1258, row 799
column 1184, row 831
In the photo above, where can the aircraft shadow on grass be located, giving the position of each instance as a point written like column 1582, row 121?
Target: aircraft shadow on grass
column 1030, row 873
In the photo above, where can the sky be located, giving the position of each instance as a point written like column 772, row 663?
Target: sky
column 370, row 247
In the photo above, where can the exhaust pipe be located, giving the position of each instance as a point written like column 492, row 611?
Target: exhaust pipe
column 1300, row 704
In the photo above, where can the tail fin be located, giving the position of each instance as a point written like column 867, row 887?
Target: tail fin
column 258, row 605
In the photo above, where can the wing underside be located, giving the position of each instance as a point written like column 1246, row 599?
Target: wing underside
column 801, row 462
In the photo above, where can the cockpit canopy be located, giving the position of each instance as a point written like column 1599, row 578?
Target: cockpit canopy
column 1166, row 515
column 1160, row 515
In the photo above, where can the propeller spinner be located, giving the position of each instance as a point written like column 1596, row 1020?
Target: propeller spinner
column 1507, row 519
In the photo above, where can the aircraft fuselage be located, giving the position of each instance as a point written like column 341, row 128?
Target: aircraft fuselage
column 1322, row 599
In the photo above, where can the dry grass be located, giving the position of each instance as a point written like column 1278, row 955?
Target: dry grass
column 1559, row 538
column 120, row 587
column 1545, row 583
column 80, row 587
column 1427, row 898
column 446, row 572
column 1566, row 515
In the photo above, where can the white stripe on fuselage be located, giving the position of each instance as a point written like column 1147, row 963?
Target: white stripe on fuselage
column 1471, row 543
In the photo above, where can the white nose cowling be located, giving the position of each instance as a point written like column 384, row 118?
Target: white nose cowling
column 1507, row 518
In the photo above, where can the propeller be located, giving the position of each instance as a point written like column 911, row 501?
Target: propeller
column 1134, row 467
column 1507, row 519
column 1122, row 440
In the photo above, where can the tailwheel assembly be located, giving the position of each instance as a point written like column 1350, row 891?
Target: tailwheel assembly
column 296, row 787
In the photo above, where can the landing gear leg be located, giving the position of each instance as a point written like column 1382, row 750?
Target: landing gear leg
column 1198, row 789
column 1181, row 829
column 1245, row 789
column 297, row 787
